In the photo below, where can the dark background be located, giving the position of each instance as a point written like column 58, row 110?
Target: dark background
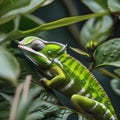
column 57, row 10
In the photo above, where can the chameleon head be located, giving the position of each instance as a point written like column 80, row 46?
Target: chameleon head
column 41, row 52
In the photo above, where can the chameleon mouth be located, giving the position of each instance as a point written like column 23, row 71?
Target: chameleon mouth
column 22, row 47
column 27, row 49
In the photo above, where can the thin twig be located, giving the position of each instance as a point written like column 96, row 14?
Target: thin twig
column 15, row 102
column 107, row 73
column 74, row 30
column 26, row 87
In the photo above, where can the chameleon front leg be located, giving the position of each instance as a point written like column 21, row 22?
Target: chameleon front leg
column 57, row 79
column 92, row 106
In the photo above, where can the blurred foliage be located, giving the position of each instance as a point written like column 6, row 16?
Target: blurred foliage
column 32, row 101
column 9, row 67
column 96, row 30
column 96, row 5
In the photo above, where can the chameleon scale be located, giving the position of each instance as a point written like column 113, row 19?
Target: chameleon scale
column 69, row 76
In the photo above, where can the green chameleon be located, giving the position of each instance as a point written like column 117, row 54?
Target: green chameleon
column 66, row 74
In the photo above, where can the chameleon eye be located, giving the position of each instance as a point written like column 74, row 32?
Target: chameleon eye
column 49, row 52
column 37, row 45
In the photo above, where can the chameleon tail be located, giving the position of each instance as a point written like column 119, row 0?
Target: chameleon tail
column 92, row 106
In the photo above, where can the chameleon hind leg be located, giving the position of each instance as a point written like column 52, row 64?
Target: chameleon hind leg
column 94, row 107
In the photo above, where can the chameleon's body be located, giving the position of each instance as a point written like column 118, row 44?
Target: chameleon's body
column 69, row 76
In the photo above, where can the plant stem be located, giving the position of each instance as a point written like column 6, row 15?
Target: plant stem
column 64, row 22
column 15, row 102
column 16, row 34
column 72, row 11
column 107, row 73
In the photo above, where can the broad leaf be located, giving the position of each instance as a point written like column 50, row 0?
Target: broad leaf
column 108, row 53
column 9, row 67
column 18, row 8
column 115, row 84
column 114, row 5
column 96, row 30
column 96, row 5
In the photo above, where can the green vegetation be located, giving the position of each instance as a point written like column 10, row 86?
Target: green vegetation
column 22, row 96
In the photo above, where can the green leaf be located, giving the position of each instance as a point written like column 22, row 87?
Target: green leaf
column 70, row 20
column 27, row 68
column 108, row 53
column 8, row 5
column 49, row 111
column 41, row 105
column 47, row 2
column 115, row 84
column 23, row 23
column 16, row 34
column 47, row 107
column 96, row 30
column 9, row 67
column 44, row 96
column 22, row 7
column 81, row 52
column 114, row 5
column 5, row 100
column 4, row 114
column 6, row 88
column 117, row 71
column 1, row 1
column 5, row 96
column 116, row 64
column 29, row 21
column 82, row 117
column 6, row 19
column 96, row 5
column 7, row 27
